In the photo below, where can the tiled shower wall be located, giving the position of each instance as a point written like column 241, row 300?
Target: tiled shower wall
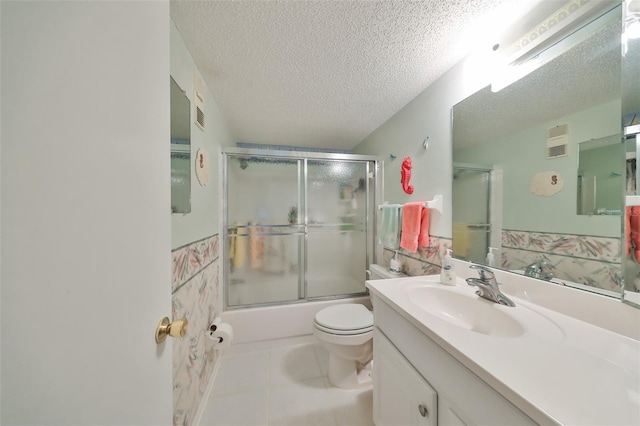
column 426, row 261
column 196, row 296
column 588, row 260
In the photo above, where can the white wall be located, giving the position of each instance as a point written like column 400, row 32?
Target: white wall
column 203, row 221
column 429, row 114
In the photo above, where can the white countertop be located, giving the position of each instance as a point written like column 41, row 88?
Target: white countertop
column 560, row 370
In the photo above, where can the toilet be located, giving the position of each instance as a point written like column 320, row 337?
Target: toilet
column 346, row 331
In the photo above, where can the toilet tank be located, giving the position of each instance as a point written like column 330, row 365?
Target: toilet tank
column 379, row 272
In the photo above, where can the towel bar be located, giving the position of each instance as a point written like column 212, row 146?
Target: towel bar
column 435, row 204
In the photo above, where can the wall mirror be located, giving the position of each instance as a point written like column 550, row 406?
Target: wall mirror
column 600, row 176
column 518, row 156
column 180, row 150
column 631, row 131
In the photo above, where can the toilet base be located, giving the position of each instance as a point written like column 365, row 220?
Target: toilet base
column 348, row 374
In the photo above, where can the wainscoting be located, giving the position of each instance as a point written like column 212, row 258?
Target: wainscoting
column 196, row 296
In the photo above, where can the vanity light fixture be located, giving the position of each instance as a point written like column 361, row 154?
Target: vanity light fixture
column 557, row 34
column 632, row 20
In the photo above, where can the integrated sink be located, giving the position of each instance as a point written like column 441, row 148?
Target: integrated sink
column 466, row 310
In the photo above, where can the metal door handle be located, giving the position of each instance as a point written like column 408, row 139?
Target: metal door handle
column 177, row 328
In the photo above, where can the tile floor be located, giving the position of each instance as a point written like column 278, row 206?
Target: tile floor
column 285, row 384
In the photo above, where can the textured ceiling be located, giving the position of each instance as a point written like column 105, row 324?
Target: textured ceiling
column 587, row 75
column 328, row 73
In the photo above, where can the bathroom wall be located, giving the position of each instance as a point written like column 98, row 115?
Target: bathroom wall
column 203, row 221
column 428, row 115
column 197, row 297
column 196, row 292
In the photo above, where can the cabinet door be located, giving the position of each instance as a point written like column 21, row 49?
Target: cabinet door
column 401, row 396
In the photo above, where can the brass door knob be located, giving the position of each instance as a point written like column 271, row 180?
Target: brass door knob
column 177, row 328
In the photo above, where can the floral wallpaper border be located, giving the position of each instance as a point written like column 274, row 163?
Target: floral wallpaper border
column 189, row 259
column 196, row 296
column 426, row 261
column 589, row 260
column 606, row 249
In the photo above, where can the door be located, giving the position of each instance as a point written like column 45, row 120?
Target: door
column 85, row 219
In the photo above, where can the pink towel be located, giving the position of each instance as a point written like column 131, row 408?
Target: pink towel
column 423, row 237
column 411, row 218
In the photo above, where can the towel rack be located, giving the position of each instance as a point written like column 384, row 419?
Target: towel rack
column 435, row 204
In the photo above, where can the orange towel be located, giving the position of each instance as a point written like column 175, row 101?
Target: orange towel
column 411, row 218
column 256, row 247
column 423, row 237
column 633, row 231
column 627, row 230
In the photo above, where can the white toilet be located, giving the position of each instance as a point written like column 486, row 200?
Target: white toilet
column 346, row 331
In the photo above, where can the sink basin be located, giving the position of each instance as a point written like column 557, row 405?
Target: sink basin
column 466, row 310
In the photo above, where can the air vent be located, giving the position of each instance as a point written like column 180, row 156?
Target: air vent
column 198, row 96
column 558, row 141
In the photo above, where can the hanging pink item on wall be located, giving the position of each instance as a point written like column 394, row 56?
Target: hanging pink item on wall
column 405, row 172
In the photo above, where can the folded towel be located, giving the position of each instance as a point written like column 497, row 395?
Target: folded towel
column 389, row 225
column 627, row 230
column 411, row 218
column 634, row 220
column 256, row 247
column 240, row 249
column 423, row 236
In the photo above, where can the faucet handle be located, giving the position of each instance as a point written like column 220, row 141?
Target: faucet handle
column 485, row 273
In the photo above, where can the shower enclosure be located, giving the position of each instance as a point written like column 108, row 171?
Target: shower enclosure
column 298, row 226
column 471, row 212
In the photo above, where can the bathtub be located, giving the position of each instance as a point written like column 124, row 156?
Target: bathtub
column 281, row 321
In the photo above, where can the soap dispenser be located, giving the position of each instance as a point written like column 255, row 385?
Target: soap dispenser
column 394, row 264
column 491, row 259
column 447, row 276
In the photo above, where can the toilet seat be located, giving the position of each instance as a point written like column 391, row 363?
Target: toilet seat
column 347, row 319
column 343, row 332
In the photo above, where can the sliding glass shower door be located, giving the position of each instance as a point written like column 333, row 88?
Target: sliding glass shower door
column 264, row 232
column 337, row 227
column 296, row 226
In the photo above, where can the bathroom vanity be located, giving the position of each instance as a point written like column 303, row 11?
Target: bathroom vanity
column 442, row 355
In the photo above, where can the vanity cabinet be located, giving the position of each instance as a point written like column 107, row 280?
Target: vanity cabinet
column 401, row 395
column 411, row 369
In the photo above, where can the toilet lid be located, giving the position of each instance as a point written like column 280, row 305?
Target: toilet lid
column 351, row 316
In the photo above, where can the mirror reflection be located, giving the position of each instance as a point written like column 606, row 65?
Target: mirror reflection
column 180, row 150
column 600, row 174
column 631, row 123
column 526, row 155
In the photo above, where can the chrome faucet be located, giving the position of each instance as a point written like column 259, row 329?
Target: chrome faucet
column 488, row 286
column 537, row 270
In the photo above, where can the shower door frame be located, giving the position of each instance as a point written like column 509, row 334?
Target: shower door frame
column 377, row 169
column 489, row 226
